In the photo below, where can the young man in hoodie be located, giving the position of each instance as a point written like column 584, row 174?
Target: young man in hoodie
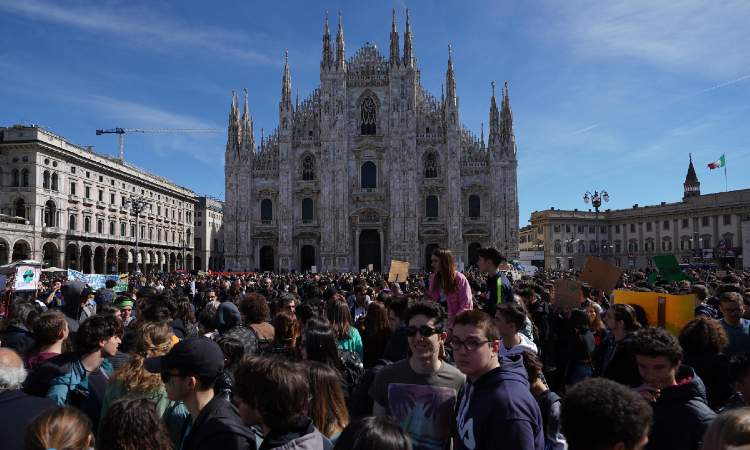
column 510, row 318
column 273, row 394
column 496, row 406
column 189, row 371
column 676, row 394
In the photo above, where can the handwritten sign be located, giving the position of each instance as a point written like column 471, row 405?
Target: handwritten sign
column 27, row 278
column 398, row 272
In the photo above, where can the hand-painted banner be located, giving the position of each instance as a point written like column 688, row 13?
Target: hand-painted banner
column 94, row 280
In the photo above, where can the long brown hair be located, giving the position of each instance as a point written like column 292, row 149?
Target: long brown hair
column 445, row 275
column 133, row 424
column 377, row 332
column 63, row 428
column 285, row 329
column 340, row 318
column 152, row 339
column 327, row 407
column 729, row 430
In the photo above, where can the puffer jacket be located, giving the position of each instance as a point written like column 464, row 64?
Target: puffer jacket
column 681, row 414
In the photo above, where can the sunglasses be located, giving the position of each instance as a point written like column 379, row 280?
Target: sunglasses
column 424, row 330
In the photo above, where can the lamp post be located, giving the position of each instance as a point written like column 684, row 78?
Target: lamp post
column 136, row 204
column 596, row 200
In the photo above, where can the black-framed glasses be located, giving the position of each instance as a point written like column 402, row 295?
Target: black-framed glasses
column 424, row 330
column 166, row 376
column 469, row 345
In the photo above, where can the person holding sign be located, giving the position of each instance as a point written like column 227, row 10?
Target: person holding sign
column 448, row 286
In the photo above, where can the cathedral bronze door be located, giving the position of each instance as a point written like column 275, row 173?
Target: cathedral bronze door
column 307, row 257
column 266, row 259
column 369, row 249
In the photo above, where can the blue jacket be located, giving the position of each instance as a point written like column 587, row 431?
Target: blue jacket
column 499, row 408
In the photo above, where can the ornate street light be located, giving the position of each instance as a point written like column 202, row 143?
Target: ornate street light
column 596, row 201
column 136, row 204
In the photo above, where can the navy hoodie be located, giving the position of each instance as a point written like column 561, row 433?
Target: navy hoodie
column 499, row 408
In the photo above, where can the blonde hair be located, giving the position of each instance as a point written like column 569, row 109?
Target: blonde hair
column 63, row 428
column 152, row 339
column 728, row 430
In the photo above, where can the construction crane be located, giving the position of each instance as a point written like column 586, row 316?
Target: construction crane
column 120, row 132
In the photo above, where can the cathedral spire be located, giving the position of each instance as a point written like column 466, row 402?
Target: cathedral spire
column 481, row 134
column 408, row 59
column 450, row 79
column 494, row 137
column 286, row 84
column 506, row 117
column 394, row 41
column 327, row 59
column 233, row 129
column 692, row 185
column 246, row 124
column 340, row 55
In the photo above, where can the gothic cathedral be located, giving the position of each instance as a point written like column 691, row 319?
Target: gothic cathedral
column 369, row 168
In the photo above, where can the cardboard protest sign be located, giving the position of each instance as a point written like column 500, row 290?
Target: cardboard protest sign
column 27, row 278
column 568, row 294
column 669, row 268
column 671, row 312
column 398, row 272
column 600, row 274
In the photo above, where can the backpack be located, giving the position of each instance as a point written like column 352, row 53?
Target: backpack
column 353, row 369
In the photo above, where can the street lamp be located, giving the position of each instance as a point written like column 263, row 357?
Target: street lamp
column 136, row 204
column 596, row 200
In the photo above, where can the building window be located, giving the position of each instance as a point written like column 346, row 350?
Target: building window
column 704, row 221
column 685, row 223
column 726, row 241
column 567, row 228
column 111, row 198
column 632, row 246
column 150, row 234
column 73, row 169
column 592, row 246
column 649, row 227
column 132, row 230
column 158, row 234
column 369, row 116
column 431, row 207
column 72, row 222
column 197, row 244
column 706, row 241
column 632, row 228
column 87, row 224
column 25, row 177
column 16, row 178
column 727, row 219
column 100, row 226
column 55, row 180
column 308, row 167
column 50, row 214
column 558, row 247
column 72, row 189
column 617, row 229
column 618, row 247
column 475, row 205
column 685, row 243
column 266, row 210
column 430, row 165
column 592, row 229
column 45, row 180
column 556, row 228
column 87, row 189
column 112, row 228
column 666, row 225
column 580, row 229
column 122, row 229
column 569, row 247
column 581, row 247
column 369, row 175
column 101, row 195
column 307, row 210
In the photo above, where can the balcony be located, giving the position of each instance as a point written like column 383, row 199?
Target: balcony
column 101, row 205
column 73, row 198
column 87, row 202
column 368, row 194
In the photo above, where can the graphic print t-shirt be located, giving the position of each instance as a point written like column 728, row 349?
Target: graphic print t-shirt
column 423, row 404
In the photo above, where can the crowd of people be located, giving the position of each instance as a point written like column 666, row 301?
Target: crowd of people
column 446, row 359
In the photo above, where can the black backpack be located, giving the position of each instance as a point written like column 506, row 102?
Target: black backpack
column 352, row 368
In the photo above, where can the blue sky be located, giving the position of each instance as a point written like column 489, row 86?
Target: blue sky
column 609, row 95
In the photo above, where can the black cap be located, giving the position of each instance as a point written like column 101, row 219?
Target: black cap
column 198, row 356
column 330, row 292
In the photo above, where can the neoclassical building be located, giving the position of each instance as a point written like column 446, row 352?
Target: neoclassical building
column 67, row 206
column 369, row 167
column 209, row 234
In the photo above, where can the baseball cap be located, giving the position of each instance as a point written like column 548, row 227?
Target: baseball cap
column 198, row 356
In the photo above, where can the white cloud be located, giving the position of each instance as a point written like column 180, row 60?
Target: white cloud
column 142, row 27
column 710, row 38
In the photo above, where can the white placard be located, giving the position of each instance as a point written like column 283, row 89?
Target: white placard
column 27, row 278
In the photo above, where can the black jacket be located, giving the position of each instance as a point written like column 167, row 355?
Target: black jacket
column 218, row 426
column 619, row 362
column 681, row 414
column 506, row 292
column 17, row 338
column 713, row 370
column 17, row 411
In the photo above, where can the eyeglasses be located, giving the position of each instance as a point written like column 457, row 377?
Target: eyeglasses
column 424, row 330
column 166, row 376
column 470, row 344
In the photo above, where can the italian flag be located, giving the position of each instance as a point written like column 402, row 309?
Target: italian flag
column 721, row 162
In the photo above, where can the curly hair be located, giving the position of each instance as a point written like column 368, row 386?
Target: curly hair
column 95, row 329
column 703, row 335
column 133, row 424
column 654, row 341
column 254, row 308
column 63, row 428
column 598, row 413
column 151, row 339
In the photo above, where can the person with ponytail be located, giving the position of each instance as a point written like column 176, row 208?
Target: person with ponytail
column 152, row 339
column 448, row 286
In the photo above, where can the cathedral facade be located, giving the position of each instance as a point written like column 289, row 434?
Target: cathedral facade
column 369, row 168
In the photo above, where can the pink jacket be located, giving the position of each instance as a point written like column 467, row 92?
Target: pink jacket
column 458, row 301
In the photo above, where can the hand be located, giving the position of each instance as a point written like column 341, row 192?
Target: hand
column 648, row 392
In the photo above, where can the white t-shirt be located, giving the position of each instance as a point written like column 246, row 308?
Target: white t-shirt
column 524, row 345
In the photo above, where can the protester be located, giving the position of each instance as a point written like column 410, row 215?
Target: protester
column 703, row 341
column 17, row 335
column 273, row 394
column 125, row 305
column 738, row 328
column 448, row 286
column 285, row 335
column 255, row 314
column 17, row 409
column 59, row 428
column 189, row 371
column 346, row 334
column 376, row 334
column 420, row 391
column 580, row 364
column 618, row 361
column 398, row 345
column 676, row 394
column 495, row 404
column 130, row 424
column 50, row 332
column 234, row 351
column 499, row 289
column 730, row 430
column 702, row 307
column 739, row 374
column 327, row 407
column 510, row 318
column 548, row 401
column 603, row 415
column 229, row 323
column 373, row 433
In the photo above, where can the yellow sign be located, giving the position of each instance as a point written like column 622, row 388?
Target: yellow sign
column 399, row 271
column 671, row 312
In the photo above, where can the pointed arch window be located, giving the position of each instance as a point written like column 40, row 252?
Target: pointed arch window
column 308, row 167
column 25, row 177
column 432, row 207
column 50, row 214
column 266, row 210
column 475, row 206
column 369, row 116
column 558, row 247
column 431, row 165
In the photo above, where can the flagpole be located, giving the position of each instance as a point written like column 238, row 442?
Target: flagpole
column 726, row 185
